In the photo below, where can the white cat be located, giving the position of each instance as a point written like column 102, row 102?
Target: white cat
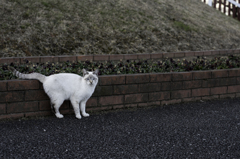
column 66, row 86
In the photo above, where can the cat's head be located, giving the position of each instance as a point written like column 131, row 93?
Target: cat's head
column 90, row 77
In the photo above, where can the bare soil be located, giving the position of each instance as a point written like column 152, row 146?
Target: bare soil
column 59, row 27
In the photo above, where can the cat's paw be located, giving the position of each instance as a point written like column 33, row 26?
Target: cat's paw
column 85, row 114
column 78, row 116
column 58, row 115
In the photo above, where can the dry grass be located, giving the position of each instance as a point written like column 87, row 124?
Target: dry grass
column 59, row 27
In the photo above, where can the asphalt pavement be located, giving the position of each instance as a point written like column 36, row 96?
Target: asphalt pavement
column 208, row 129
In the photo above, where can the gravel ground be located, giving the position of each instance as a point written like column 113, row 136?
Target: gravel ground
column 189, row 130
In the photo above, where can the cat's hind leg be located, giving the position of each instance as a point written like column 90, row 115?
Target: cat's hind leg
column 75, row 105
column 55, row 107
column 83, row 109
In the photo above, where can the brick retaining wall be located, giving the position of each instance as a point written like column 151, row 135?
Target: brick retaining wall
column 25, row 98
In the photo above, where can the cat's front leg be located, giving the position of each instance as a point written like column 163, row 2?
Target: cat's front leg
column 76, row 109
column 83, row 109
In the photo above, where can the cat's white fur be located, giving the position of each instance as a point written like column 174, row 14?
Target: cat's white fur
column 66, row 86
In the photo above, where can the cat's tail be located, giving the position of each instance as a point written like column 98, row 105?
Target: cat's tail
column 37, row 76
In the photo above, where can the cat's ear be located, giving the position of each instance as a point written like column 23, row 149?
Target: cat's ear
column 84, row 72
column 96, row 72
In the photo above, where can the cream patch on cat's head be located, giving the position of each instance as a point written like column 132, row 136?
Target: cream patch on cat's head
column 90, row 77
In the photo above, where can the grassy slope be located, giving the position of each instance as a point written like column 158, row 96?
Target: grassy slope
column 57, row 27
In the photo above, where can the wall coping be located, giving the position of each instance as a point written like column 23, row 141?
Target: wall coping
column 115, row 57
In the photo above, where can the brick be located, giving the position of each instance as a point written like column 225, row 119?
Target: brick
column 176, row 85
column 3, row 85
column 192, row 84
column 231, row 81
column 191, row 99
column 101, row 57
column 156, row 56
column 116, row 57
column 105, row 108
column 168, row 55
column 67, row 58
column 218, row 90
column 22, row 107
column 166, row 86
column 156, row 96
column 93, row 109
column 198, row 53
column 215, row 52
column 32, row 59
column 9, row 60
column 136, row 98
column 105, row 80
column 137, row 78
column 142, row 104
column 222, row 52
column 111, row 80
column 236, row 51
column 66, row 105
column 144, row 56
column 130, row 105
column 85, row 58
column 219, row 82
column 189, row 54
column 111, row 100
column 35, row 95
column 45, row 59
column 210, row 97
column 213, row 83
column 92, row 102
column 227, row 96
column 160, row 77
column 173, row 101
column 3, row 108
column 149, row 87
column 23, row 84
column 130, row 57
column 154, row 103
column 12, row 116
column 230, row 51
column 118, row 106
column 179, row 54
column 200, row 92
column 180, row 94
column 11, row 96
column 238, row 80
column 103, row 91
column 67, row 111
column 233, row 89
column 125, row 89
column 207, row 53
column 201, row 75
column 181, row 76
column 219, row 73
column 45, row 105
column 234, row 72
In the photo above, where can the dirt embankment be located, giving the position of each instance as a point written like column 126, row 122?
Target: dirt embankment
column 59, row 27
